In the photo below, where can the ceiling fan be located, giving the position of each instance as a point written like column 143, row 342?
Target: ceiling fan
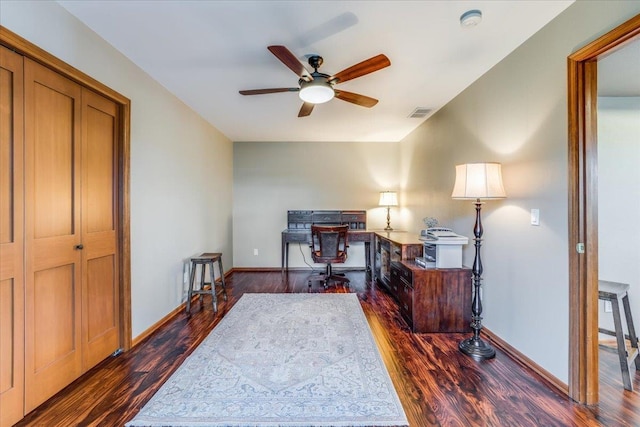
column 317, row 87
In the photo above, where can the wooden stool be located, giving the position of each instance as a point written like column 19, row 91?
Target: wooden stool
column 202, row 261
column 617, row 294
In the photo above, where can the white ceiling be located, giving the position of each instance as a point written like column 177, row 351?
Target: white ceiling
column 204, row 52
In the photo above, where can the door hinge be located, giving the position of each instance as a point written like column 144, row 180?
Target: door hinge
column 580, row 248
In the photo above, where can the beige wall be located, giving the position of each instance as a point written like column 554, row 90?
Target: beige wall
column 180, row 203
column 515, row 114
column 271, row 178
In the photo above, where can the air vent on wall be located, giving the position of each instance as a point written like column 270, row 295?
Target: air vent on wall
column 419, row 113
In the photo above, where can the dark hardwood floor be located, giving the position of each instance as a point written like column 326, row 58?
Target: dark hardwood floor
column 438, row 386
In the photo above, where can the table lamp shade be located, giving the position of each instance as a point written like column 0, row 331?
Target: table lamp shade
column 478, row 181
column 388, row 198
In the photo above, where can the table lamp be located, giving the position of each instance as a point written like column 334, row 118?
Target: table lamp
column 388, row 199
column 478, row 181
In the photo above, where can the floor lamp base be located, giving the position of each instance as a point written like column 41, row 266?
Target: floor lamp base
column 477, row 348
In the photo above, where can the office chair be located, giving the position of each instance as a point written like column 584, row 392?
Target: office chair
column 329, row 245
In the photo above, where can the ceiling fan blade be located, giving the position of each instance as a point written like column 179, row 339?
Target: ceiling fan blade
column 290, row 60
column 360, row 69
column 306, row 109
column 356, row 98
column 264, row 91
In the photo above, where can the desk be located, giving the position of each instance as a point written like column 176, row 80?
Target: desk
column 429, row 299
column 304, row 236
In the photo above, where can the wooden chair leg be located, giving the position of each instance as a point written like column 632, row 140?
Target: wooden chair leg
column 633, row 338
column 203, row 267
column 622, row 349
column 214, row 297
column 224, row 287
column 192, row 278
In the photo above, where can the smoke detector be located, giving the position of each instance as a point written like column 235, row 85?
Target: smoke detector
column 470, row 18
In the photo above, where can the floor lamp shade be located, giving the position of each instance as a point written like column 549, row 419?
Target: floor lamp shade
column 478, row 181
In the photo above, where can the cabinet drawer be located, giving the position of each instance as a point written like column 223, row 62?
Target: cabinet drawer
column 394, row 281
column 406, row 275
column 405, row 301
column 299, row 225
column 299, row 216
column 405, row 295
column 354, row 217
column 327, row 217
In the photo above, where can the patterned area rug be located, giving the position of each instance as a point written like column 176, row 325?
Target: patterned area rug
column 281, row 360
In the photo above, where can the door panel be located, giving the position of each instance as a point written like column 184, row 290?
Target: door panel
column 53, row 315
column 99, row 162
column 101, row 324
column 11, row 238
column 53, row 172
column 101, row 336
column 52, row 229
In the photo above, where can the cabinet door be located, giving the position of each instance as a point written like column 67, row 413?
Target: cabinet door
column 52, row 233
column 100, row 297
column 11, row 238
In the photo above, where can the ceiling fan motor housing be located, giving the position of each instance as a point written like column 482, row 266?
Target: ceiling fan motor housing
column 315, row 61
column 317, row 91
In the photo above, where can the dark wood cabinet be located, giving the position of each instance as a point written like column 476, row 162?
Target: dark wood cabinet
column 429, row 299
column 432, row 299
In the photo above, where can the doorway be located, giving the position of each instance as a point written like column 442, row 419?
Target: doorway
column 583, row 208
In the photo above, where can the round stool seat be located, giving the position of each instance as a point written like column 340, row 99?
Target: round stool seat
column 614, row 289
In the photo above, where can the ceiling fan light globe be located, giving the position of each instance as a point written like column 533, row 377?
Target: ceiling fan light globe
column 316, row 94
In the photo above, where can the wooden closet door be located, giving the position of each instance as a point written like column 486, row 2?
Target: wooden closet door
column 100, row 296
column 11, row 238
column 52, row 229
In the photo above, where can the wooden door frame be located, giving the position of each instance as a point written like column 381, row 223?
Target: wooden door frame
column 583, row 208
column 29, row 50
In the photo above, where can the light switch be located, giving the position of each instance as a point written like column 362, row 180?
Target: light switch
column 535, row 216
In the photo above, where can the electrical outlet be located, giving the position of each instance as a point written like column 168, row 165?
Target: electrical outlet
column 255, row 252
column 607, row 307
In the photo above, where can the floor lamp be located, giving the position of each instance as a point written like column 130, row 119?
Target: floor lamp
column 478, row 181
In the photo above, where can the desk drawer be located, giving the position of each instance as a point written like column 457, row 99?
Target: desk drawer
column 298, row 237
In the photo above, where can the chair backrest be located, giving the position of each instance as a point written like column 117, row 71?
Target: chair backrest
column 329, row 243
